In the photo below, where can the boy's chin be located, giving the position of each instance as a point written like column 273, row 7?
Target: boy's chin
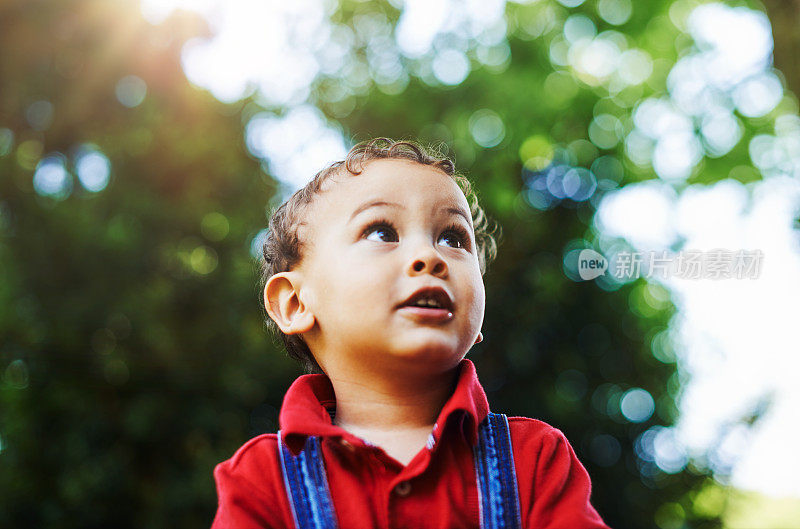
column 429, row 351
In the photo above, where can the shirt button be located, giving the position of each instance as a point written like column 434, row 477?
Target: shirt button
column 403, row 488
column 347, row 444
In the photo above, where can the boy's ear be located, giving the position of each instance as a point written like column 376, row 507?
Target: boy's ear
column 283, row 304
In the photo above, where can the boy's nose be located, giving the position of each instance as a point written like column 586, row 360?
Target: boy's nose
column 428, row 261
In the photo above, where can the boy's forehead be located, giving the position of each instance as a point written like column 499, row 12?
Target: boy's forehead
column 392, row 179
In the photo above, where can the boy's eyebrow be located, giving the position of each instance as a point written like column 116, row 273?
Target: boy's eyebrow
column 372, row 204
column 375, row 203
column 459, row 211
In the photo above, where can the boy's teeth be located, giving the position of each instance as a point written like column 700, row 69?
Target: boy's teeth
column 426, row 303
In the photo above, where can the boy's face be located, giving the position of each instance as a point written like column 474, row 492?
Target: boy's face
column 372, row 242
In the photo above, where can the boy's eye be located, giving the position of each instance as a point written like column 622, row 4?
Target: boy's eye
column 380, row 233
column 454, row 237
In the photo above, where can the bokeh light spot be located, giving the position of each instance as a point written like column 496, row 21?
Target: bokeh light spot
column 676, row 154
column 637, row 405
column 658, row 449
column 203, row 260
column 537, row 21
column 495, row 56
column 721, row 132
column 579, row 27
column 594, row 60
column 214, row 226
column 608, row 168
column 605, row 131
column 584, row 151
column 487, row 128
column 662, row 348
column 554, row 180
column 536, row 152
column 51, row 178
column 579, row 184
column 670, row 516
column 559, row 51
column 656, row 296
column 710, row 501
column 669, row 454
column 93, row 169
column 451, row 67
column 131, row 91
column 615, row 12
column 756, row 96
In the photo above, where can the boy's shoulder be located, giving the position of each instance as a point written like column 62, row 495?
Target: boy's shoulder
column 553, row 483
column 531, row 426
column 250, row 489
column 255, row 457
column 533, row 432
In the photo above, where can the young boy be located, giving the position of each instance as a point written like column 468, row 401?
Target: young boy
column 373, row 275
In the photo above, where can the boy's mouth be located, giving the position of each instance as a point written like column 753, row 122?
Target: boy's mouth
column 429, row 299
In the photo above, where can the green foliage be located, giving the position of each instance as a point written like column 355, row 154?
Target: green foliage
column 132, row 349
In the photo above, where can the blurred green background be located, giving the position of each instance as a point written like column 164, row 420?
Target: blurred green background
column 138, row 164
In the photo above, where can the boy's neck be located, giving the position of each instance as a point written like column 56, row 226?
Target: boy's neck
column 385, row 402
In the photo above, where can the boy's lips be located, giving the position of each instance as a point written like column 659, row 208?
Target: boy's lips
column 428, row 314
column 437, row 294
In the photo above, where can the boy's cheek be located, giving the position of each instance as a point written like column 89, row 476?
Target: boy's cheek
column 480, row 303
column 479, row 290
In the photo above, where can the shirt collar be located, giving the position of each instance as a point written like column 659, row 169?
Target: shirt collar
column 305, row 408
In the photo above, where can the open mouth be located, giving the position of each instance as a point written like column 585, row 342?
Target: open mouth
column 429, row 297
column 429, row 304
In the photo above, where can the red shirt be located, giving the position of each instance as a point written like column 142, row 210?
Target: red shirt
column 437, row 489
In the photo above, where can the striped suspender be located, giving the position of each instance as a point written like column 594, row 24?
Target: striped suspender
column 307, row 486
column 497, row 478
column 312, row 507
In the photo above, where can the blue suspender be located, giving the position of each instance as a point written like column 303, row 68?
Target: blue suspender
column 497, row 478
column 307, row 486
column 312, row 507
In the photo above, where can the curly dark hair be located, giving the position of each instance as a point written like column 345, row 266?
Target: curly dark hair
column 283, row 249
